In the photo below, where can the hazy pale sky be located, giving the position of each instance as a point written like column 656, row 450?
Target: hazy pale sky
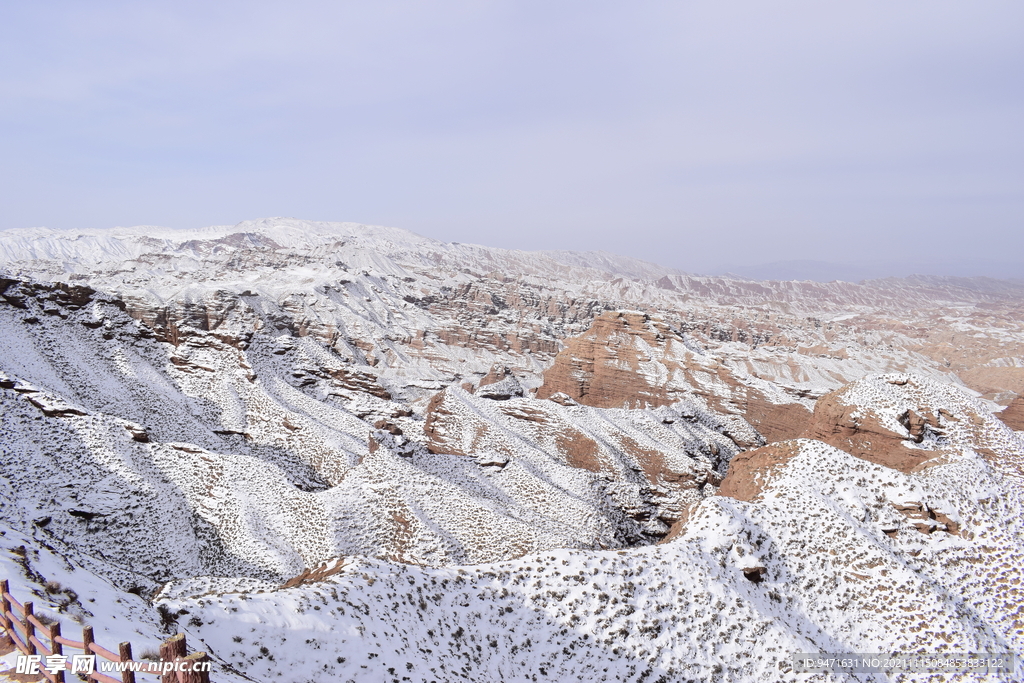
column 688, row 133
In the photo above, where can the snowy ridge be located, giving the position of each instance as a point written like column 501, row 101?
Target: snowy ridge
column 255, row 476
column 843, row 571
column 95, row 247
column 53, row 253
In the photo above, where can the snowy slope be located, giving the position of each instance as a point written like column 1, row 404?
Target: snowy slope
column 842, row 571
column 345, row 452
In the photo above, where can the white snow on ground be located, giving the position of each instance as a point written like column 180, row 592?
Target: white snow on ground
column 845, row 569
column 212, row 472
column 239, row 408
column 835, row 581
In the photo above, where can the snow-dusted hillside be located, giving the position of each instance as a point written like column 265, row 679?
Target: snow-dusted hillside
column 334, row 451
column 840, row 570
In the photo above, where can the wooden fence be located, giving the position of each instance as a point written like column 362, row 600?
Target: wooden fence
column 32, row 636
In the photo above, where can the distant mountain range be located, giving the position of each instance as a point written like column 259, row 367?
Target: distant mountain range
column 825, row 271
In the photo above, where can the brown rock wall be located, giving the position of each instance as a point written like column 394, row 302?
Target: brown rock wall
column 775, row 422
column 497, row 373
column 1013, row 415
column 992, row 381
column 601, row 367
column 750, row 471
column 604, row 368
column 859, row 431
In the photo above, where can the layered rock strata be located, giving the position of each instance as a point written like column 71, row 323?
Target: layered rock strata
column 631, row 360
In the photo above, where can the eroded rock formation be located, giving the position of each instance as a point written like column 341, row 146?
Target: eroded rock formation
column 751, row 471
column 252, row 406
column 1013, row 414
column 630, row 360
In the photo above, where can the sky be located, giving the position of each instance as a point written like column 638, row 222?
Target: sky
column 701, row 135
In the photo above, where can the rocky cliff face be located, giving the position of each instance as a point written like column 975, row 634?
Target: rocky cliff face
column 629, row 360
column 342, row 416
column 624, row 360
column 1013, row 416
column 901, row 422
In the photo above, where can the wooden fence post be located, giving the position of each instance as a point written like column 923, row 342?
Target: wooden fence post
column 5, row 606
column 87, row 640
column 191, row 676
column 30, row 628
column 171, row 650
column 124, row 651
column 57, row 649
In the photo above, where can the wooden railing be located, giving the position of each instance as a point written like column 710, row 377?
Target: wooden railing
column 32, row 636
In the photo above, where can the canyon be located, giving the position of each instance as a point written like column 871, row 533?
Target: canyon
column 330, row 451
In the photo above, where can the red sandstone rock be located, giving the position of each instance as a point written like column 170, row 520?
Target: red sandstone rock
column 1013, row 415
column 774, row 421
column 860, row 432
column 602, row 367
column 750, row 471
column 628, row 360
column 497, row 373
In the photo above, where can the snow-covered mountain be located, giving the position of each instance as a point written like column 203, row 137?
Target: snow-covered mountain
column 330, row 451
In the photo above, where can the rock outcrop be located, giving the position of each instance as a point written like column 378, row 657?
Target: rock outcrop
column 1013, row 414
column 614, row 363
column 750, row 472
column 499, row 384
column 775, row 421
column 858, row 430
column 630, row 360
column 906, row 422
